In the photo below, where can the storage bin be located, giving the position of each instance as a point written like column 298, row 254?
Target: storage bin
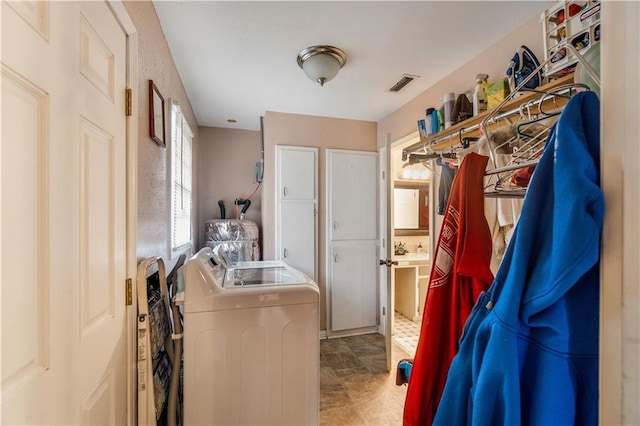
column 575, row 22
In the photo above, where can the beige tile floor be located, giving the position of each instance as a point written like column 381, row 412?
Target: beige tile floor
column 406, row 333
column 355, row 388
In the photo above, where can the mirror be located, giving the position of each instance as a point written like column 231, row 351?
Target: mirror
column 411, row 209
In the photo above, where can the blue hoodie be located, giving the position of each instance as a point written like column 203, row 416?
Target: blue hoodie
column 529, row 350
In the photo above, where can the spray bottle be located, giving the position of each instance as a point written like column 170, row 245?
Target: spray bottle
column 480, row 94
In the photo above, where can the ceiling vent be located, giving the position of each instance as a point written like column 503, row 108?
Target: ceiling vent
column 404, row 80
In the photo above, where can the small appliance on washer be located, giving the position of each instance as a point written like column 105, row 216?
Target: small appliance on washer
column 251, row 343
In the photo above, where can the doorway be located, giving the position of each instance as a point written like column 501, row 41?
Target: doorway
column 410, row 223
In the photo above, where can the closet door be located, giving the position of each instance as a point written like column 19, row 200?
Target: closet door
column 297, row 224
column 296, row 207
column 297, row 172
column 352, row 244
column 352, row 190
column 353, row 285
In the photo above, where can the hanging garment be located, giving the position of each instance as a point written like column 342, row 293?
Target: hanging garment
column 460, row 273
column 444, row 189
column 529, row 351
column 501, row 213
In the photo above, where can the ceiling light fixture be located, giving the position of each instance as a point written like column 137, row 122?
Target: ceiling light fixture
column 321, row 63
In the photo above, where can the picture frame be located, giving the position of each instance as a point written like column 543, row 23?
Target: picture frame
column 156, row 115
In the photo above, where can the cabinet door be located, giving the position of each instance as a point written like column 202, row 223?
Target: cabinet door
column 296, row 168
column 297, row 236
column 353, row 286
column 352, row 178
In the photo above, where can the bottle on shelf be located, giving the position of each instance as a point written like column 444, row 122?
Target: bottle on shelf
column 448, row 101
column 480, row 94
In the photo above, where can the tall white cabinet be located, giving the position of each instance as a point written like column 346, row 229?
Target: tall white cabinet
column 352, row 245
column 297, row 207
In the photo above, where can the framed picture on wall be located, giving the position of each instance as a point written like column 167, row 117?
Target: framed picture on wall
column 156, row 115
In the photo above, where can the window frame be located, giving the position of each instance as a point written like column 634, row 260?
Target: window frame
column 174, row 250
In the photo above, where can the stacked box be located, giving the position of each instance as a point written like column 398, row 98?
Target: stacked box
column 497, row 93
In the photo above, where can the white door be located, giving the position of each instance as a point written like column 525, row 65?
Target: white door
column 296, row 207
column 351, row 177
column 296, row 168
column 297, row 242
column 63, row 224
column 352, row 243
column 385, row 219
column 353, row 285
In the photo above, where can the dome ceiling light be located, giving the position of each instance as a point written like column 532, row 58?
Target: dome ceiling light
column 321, row 63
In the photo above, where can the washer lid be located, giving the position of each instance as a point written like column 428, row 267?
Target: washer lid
column 269, row 273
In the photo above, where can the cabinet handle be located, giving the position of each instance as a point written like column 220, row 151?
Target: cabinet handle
column 335, row 224
column 285, row 253
column 284, row 191
column 336, row 258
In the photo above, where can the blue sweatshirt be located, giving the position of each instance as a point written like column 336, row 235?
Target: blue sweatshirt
column 529, row 350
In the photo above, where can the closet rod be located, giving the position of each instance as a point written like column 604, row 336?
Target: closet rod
column 511, row 167
column 493, row 119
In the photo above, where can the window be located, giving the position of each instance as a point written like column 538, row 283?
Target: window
column 181, row 180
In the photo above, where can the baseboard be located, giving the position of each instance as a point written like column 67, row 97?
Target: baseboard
column 323, row 334
column 352, row 332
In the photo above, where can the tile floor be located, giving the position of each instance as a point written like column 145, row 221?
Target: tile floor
column 406, row 333
column 355, row 388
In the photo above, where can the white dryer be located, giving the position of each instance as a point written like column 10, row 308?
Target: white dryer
column 251, row 344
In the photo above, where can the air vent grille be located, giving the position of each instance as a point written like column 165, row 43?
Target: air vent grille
column 404, row 80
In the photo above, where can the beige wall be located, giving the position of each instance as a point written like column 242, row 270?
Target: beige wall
column 155, row 63
column 226, row 163
column 320, row 132
column 492, row 61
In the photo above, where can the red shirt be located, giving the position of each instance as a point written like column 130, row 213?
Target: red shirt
column 460, row 272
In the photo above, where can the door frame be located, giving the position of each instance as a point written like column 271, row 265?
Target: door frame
column 385, row 289
column 619, row 267
column 121, row 14
column 385, row 219
column 329, row 247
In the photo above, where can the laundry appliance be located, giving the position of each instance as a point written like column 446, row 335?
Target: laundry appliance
column 251, row 343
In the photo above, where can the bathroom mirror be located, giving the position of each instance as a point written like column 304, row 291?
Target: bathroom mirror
column 411, row 209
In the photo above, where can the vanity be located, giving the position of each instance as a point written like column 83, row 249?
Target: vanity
column 411, row 232
column 411, row 278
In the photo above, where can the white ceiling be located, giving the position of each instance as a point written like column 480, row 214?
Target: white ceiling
column 237, row 59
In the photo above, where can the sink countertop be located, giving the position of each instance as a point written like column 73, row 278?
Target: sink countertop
column 405, row 259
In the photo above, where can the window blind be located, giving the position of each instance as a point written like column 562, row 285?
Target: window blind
column 182, row 179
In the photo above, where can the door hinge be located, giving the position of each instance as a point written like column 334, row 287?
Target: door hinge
column 315, row 212
column 129, row 292
column 128, row 102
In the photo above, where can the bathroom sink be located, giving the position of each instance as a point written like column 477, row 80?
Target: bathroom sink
column 412, row 257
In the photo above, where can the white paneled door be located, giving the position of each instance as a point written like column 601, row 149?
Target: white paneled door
column 352, row 241
column 296, row 207
column 63, row 182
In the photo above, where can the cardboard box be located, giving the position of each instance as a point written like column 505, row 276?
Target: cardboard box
column 497, row 93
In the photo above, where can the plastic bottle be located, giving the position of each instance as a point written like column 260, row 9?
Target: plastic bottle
column 440, row 116
column 447, row 102
column 480, row 94
column 429, row 121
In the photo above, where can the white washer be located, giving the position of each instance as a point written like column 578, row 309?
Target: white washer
column 251, row 344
